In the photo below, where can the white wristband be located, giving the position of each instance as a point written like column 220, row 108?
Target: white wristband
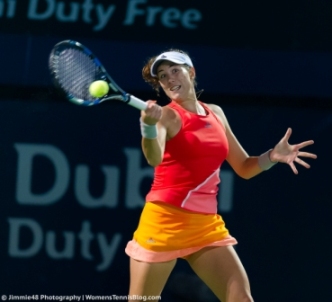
column 264, row 161
column 148, row 131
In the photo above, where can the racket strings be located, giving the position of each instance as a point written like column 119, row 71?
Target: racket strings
column 75, row 71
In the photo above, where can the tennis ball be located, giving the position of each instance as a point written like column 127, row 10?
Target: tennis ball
column 98, row 88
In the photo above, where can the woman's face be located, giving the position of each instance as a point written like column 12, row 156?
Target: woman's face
column 176, row 80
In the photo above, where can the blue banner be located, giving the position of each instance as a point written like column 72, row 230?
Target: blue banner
column 241, row 24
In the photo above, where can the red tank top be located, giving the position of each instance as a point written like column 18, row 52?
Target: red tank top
column 188, row 176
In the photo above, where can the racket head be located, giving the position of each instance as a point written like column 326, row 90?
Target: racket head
column 74, row 67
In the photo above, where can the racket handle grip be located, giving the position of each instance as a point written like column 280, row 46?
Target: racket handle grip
column 137, row 103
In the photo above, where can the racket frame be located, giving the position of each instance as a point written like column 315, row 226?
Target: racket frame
column 116, row 92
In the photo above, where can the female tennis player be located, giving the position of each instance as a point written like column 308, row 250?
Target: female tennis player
column 187, row 141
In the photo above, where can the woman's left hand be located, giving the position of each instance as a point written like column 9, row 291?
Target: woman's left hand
column 283, row 152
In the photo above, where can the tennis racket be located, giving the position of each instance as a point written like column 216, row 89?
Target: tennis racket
column 74, row 67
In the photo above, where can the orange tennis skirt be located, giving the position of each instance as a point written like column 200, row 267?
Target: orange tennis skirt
column 166, row 232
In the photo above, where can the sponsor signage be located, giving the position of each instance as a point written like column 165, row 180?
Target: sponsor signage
column 236, row 48
column 225, row 23
column 106, row 19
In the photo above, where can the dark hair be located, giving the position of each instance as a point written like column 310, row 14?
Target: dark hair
column 153, row 81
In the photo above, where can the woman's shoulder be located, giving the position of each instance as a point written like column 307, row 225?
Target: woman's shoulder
column 171, row 121
column 169, row 110
column 169, row 114
column 215, row 108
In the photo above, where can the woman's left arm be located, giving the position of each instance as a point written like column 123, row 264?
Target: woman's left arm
column 249, row 166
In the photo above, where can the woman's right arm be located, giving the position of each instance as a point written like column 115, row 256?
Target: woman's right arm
column 153, row 148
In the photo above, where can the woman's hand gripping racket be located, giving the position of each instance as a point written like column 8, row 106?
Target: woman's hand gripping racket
column 74, row 68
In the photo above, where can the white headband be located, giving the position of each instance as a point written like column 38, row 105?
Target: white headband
column 173, row 56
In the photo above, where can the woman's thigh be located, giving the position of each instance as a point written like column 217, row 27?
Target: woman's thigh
column 222, row 271
column 148, row 279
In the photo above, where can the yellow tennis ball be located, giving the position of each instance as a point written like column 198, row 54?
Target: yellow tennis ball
column 98, row 88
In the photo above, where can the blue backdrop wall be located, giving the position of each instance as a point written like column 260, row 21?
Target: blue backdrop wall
column 74, row 180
